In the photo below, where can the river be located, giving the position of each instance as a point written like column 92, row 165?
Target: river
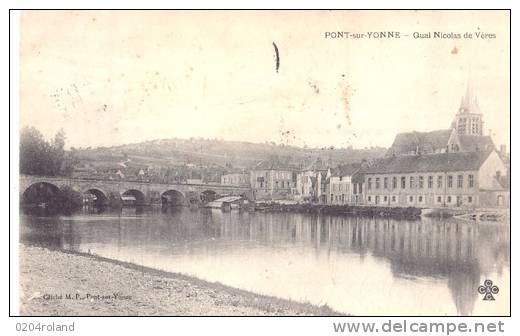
column 361, row 266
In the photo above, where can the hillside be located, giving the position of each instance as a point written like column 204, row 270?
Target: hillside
column 207, row 152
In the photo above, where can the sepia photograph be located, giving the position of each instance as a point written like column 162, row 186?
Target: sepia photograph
column 263, row 163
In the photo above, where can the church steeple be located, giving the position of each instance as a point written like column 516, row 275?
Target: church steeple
column 469, row 102
column 468, row 120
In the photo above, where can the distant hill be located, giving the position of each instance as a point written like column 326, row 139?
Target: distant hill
column 207, row 152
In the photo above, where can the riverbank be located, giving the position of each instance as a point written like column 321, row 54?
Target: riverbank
column 366, row 211
column 62, row 283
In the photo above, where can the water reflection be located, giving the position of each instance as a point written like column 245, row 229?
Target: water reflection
column 356, row 265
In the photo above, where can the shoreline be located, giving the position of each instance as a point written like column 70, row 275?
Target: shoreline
column 411, row 213
column 400, row 213
column 65, row 283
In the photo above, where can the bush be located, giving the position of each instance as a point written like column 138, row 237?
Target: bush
column 69, row 200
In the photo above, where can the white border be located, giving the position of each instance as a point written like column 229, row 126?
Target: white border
column 229, row 326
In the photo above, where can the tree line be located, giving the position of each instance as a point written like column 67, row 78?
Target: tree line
column 39, row 156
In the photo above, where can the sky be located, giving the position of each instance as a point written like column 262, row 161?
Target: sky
column 116, row 77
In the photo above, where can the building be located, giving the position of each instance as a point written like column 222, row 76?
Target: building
column 464, row 135
column 235, row 179
column 270, row 180
column 341, row 186
column 462, row 179
column 311, row 182
column 358, row 182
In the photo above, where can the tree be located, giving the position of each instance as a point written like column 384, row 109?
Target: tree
column 34, row 150
column 58, row 153
column 39, row 157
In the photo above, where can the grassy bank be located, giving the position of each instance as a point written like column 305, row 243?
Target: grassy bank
column 60, row 283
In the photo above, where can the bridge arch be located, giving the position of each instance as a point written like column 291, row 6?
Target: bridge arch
column 133, row 197
column 172, row 197
column 100, row 197
column 40, row 193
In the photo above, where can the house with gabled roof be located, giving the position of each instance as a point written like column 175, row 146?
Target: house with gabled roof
column 272, row 180
column 340, row 187
column 311, row 182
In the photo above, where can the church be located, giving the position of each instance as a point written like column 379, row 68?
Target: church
column 457, row 167
column 464, row 135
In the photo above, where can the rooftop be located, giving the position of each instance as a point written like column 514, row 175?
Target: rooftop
column 441, row 162
column 271, row 165
column 422, row 142
column 476, row 143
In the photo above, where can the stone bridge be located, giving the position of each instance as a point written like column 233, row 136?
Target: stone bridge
column 144, row 192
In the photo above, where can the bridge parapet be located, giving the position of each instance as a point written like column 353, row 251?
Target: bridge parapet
column 151, row 191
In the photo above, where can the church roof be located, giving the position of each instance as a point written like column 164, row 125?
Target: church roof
column 469, row 143
column 441, row 162
column 422, row 142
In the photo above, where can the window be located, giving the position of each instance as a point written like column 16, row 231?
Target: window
column 421, row 182
column 412, row 182
column 403, row 182
column 439, row 199
column 430, row 182
column 460, row 179
column 369, row 183
column 450, row 181
column 355, row 188
column 377, row 183
column 394, row 182
column 420, row 199
column 393, row 198
column 369, row 199
column 385, row 198
column 410, row 199
column 471, row 182
column 341, row 178
column 385, row 183
column 470, row 199
column 439, row 181
column 448, row 199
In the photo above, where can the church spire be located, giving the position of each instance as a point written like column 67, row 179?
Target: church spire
column 469, row 102
column 468, row 120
